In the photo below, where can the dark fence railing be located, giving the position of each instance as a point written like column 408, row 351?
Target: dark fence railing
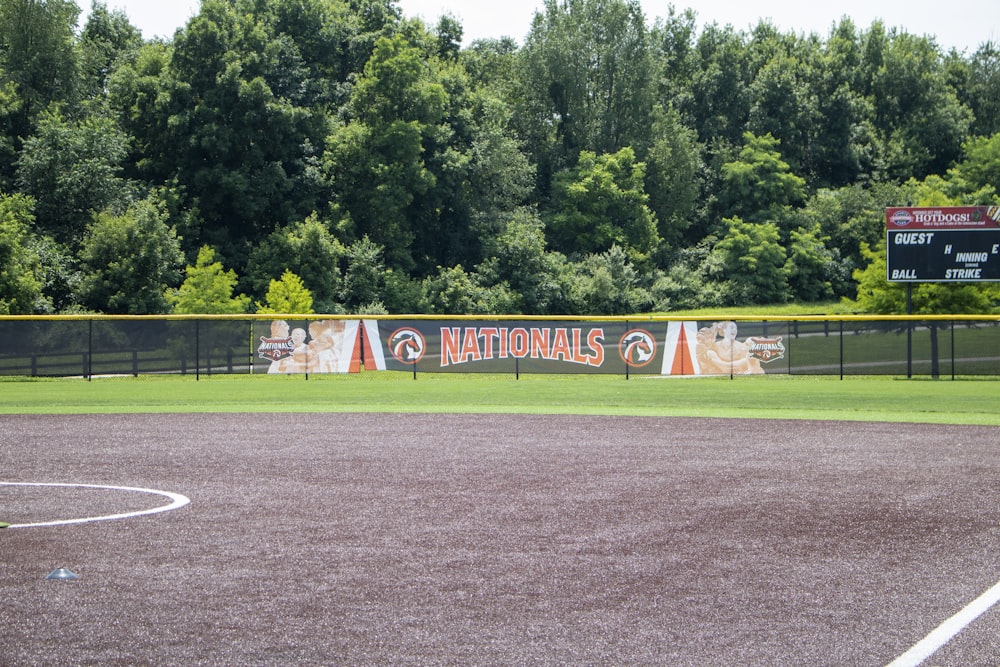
column 205, row 345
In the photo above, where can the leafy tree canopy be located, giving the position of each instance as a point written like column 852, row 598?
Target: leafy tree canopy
column 129, row 261
column 602, row 202
column 207, row 288
column 288, row 295
column 20, row 268
column 613, row 161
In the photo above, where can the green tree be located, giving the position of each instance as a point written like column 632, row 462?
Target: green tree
column 370, row 21
column 316, row 48
column 673, row 175
column 491, row 64
column 518, row 258
column 148, row 103
column 981, row 91
column 38, row 53
column 760, row 184
column 782, row 105
column 244, row 150
column 587, row 80
column 918, row 114
column 377, row 162
column 287, row 296
column 751, row 262
column 38, row 69
column 453, row 291
column 812, row 268
column 673, row 44
column 603, row 202
column 310, row 251
column 107, row 37
column 20, row 266
column 207, row 288
column 449, row 37
column 851, row 216
column 400, row 294
column 60, row 275
column 398, row 84
column 719, row 102
column 609, row 284
column 686, row 283
column 10, row 142
column 980, row 167
column 73, row 169
column 875, row 293
column 844, row 137
column 129, row 261
column 364, row 279
column 500, row 176
column 423, row 166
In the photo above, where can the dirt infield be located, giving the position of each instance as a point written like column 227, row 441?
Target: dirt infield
column 496, row 540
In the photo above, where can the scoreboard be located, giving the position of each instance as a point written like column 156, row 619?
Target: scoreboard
column 944, row 256
column 943, row 244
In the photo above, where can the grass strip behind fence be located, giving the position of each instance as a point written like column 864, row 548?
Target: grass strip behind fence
column 963, row 401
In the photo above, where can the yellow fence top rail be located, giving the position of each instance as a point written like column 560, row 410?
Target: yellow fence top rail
column 705, row 317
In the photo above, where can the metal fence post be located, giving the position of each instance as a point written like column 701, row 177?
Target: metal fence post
column 788, row 349
column 197, row 350
column 627, row 328
column 89, row 367
column 841, row 349
column 953, row 349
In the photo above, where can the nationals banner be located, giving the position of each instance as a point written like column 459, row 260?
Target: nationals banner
column 318, row 346
column 667, row 348
column 513, row 346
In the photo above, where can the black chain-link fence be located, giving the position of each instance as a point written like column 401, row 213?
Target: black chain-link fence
column 112, row 346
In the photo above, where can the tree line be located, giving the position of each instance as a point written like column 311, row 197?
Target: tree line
column 336, row 156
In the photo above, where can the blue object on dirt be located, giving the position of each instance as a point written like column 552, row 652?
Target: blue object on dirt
column 62, row 573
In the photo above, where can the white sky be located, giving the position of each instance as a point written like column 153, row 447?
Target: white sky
column 962, row 24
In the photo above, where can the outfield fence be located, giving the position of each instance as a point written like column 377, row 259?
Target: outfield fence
column 97, row 346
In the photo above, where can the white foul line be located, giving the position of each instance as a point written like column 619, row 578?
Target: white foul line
column 944, row 632
column 177, row 501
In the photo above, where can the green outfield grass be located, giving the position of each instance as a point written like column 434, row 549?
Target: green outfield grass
column 963, row 401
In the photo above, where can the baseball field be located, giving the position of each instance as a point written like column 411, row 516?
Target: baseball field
column 381, row 520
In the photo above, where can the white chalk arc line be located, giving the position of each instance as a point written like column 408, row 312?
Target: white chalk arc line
column 176, row 502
